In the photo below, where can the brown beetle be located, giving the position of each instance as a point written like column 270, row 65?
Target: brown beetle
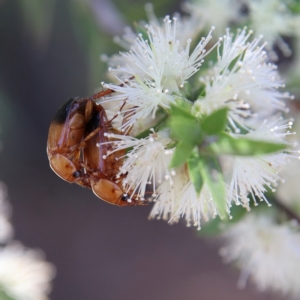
column 66, row 134
column 102, row 173
column 76, row 129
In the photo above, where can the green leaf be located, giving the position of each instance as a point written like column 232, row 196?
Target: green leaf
column 201, row 92
column 239, row 57
column 177, row 111
column 184, row 126
column 212, row 175
column 215, row 122
column 184, row 105
column 181, row 154
column 227, row 144
column 295, row 7
column 195, row 172
column 185, row 130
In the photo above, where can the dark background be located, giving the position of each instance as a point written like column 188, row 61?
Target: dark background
column 100, row 251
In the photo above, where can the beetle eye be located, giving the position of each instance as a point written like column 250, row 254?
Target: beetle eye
column 77, row 174
column 125, row 197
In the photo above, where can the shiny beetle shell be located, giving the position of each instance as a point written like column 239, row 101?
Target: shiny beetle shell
column 66, row 133
column 102, row 172
column 75, row 131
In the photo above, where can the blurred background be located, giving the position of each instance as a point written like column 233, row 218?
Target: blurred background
column 50, row 51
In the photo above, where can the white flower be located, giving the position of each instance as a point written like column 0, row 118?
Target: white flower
column 215, row 13
column 146, row 165
column 161, row 57
column 142, row 100
column 147, row 174
column 288, row 191
column 165, row 203
column 266, row 252
column 248, row 86
column 152, row 77
column 6, row 229
column 24, row 275
column 178, row 199
column 252, row 175
column 186, row 29
column 274, row 20
column 155, row 70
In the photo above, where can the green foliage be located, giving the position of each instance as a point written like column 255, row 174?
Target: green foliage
column 199, row 144
column 294, row 6
column 209, row 137
column 200, row 92
column 241, row 146
column 184, row 126
column 4, row 296
column 182, row 153
column 238, row 58
column 215, row 122
column 212, row 175
column 194, row 168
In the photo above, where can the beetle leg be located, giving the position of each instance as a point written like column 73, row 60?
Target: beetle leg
column 83, row 181
column 87, row 168
column 125, row 118
column 108, row 91
column 92, row 134
column 122, row 106
column 101, row 94
column 91, row 176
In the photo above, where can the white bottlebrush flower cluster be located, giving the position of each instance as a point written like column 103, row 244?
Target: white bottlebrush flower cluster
column 275, row 20
column 162, row 70
column 24, row 274
column 288, row 192
column 253, row 175
column 278, row 22
column 186, row 26
column 266, row 252
column 216, row 13
column 243, row 84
